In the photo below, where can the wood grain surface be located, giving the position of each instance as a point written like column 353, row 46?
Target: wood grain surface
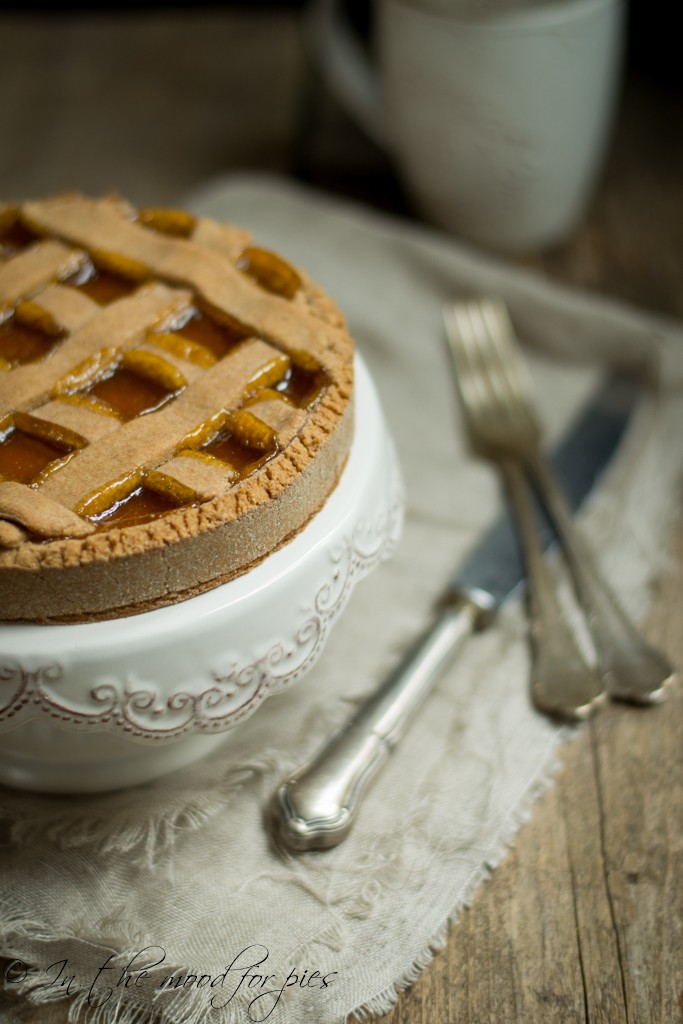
column 583, row 921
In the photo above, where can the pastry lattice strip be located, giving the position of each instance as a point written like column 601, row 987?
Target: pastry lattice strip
column 123, row 324
column 29, row 272
column 145, row 252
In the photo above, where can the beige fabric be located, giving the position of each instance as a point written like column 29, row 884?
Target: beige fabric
column 185, row 864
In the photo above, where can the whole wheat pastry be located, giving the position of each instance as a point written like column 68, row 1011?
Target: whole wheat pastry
column 175, row 404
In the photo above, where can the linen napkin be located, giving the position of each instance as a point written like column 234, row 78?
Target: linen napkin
column 168, row 899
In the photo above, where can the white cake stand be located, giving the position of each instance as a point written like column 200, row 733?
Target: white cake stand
column 98, row 706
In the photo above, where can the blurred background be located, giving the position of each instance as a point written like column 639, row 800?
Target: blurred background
column 151, row 100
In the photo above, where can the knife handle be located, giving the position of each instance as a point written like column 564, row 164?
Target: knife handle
column 316, row 807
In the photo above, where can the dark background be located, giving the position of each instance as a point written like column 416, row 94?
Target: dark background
column 152, row 99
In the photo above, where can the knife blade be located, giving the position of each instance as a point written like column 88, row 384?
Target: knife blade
column 316, row 806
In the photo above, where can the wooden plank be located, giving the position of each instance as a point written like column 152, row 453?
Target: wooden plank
column 583, row 922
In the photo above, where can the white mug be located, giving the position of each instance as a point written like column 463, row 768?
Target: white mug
column 498, row 114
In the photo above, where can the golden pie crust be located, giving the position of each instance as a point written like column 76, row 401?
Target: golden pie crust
column 175, row 404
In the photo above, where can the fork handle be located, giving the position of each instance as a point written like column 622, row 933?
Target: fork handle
column 563, row 682
column 632, row 670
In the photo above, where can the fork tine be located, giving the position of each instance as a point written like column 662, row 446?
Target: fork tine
column 459, row 334
column 481, row 367
column 506, row 369
column 491, row 360
column 503, row 343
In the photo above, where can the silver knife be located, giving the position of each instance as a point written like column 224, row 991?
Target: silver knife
column 316, row 806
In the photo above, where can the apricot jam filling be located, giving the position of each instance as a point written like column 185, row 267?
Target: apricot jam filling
column 177, row 223
column 23, row 457
column 131, row 394
column 140, row 506
column 302, row 386
column 14, row 237
column 218, row 339
column 269, row 271
column 22, row 343
column 145, row 503
column 102, row 286
column 242, row 457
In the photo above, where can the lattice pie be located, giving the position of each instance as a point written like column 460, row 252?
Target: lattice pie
column 175, row 404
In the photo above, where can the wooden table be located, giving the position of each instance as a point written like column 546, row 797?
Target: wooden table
column 583, row 922
column 584, row 919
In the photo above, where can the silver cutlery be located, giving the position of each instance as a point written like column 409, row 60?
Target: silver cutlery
column 498, row 405
column 317, row 805
column 564, row 682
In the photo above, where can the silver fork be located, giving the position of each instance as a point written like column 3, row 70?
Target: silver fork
column 503, row 425
column 563, row 682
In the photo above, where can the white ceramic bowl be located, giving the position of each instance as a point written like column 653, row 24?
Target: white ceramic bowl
column 103, row 705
